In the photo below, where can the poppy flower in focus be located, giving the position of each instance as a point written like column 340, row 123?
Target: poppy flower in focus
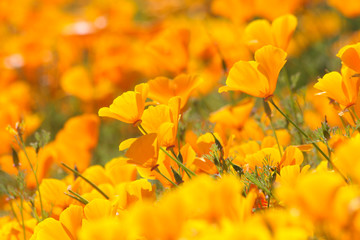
column 257, row 78
column 128, row 107
column 343, row 88
column 350, row 56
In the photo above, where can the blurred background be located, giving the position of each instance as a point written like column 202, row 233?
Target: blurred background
column 61, row 59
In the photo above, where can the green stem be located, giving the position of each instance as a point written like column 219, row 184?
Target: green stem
column 308, row 138
column 13, row 211
column 158, row 171
column 352, row 116
column 187, row 170
column 86, row 180
column 292, row 102
column 173, row 152
column 22, row 145
column 345, row 126
column 83, row 200
column 77, row 199
column 22, row 215
column 142, row 130
column 275, row 135
column 353, row 109
column 328, row 148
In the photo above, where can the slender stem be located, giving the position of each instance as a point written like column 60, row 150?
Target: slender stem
column 308, row 138
column 352, row 116
column 13, row 211
column 292, row 102
column 83, row 200
column 158, row 171
column 142, row 130
column 22, row 145
column 353, row 110
column 345, row 126
column 187, row 170
column 328, row 148
column 275, row 135
column 22, row 215
column 268, row 112
column 173, row 152
column 77, row 199
column 86, row 180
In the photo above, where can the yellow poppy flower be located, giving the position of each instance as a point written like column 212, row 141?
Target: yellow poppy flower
column 163, row 120
column 161, row 89
column 144, row 151
column 343, row 88
column 257, row 78
column 350, row 56
column 129, row 106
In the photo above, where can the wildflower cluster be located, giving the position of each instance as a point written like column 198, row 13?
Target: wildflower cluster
column 206, row 119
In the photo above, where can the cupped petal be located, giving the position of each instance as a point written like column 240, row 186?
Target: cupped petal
column 245, row 77
column 144, row 151
column 349, row 55
column 271, row 60
column 331, row 85
column 258, row 34
column 50, row 229
column 283, row 29
column 129, row 106
column 98, row 209
column 71, row 219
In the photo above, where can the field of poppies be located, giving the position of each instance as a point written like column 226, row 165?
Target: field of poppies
column 179, row 119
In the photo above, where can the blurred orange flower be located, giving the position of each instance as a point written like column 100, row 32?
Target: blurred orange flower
column 170, row 49
column 350, row 8
column 233, row 116
column 260, row 32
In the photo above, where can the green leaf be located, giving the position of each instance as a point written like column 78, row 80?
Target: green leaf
column 15, row 158
column 177, row 176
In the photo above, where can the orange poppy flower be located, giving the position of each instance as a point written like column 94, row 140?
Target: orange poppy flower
column 257, row 78
column 343, row 88
column 162, row 89
column 77, row 81
column 350, row 8
column 244, row 9
column 350, row 56
column 144, row 151
column 128, row 107
column 66, row 227
column 163, row 120
column 75, row 142
column 233, row 116
column 170, row 49
column 260, row 32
